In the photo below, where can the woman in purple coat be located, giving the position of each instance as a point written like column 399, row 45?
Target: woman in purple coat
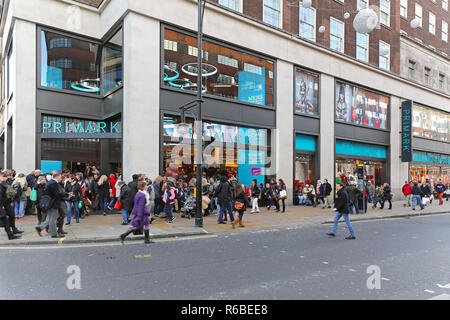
column 141, row 217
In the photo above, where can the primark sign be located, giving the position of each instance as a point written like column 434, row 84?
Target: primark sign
column 80, row 129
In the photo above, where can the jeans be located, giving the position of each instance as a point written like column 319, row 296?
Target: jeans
column 52, row 216
column 112, row 202
column 125, row 216
column 19, row 208
column 355, row 204
column 104, row 204
column 69, row 210
column 440, row 195
column 255, row 207
column 418, row 199
column 347, row 220
column 301, row 200
column 226, row 205
column 408, row 200
column 168, row 208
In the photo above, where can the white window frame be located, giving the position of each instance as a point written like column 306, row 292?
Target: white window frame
column 387, row 12
column 366, row 59
column 226, row 3
column 445, row 5
column 343, row 34
column 170, row 45
column 9, row 68
column 192, row 51
column 417, row 6
column 431, row 27
column 303, row 22
column 388, row 64
column 358, row 7
column 227, row 61
column 280, row 11
column 404, row 6
column 444, row 31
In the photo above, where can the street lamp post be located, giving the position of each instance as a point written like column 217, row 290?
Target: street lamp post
column 199, row 156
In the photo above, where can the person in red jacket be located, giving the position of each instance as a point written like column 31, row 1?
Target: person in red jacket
column 407, row 190
column 112, row 182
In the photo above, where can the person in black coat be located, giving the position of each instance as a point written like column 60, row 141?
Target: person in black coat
column 40, row 187
column 5, row 212
column 387, row 196
column 240, row 197
column 133, row 189
column 224, row 199
column 126, row 200
column 342, row 209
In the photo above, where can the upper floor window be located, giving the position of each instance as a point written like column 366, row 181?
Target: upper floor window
column 362, row 4
column 232, row 4
column 444, row 31
column 9, row 77
column 404, row 8
column 362, row 47
column 60, row 43
column 63, row 63
column 272, row 12
column 336, row 35
column 112, row 63
column 308, row 23
column 170, row 45
column 445, row 4
column 385, row 11
column 411, row 69
column 384, row 55
column 426, row 75
column 442, row 81
column 418, row 13
column 432, row 23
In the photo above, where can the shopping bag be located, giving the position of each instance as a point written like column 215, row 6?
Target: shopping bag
column 283, row 194
column 118, row 205
column 425, row 200
column 33, row 195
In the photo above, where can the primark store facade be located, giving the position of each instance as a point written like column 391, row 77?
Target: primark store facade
column 86, row 86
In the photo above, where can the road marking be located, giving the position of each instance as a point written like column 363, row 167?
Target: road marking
column 60, row 241
column 324, row 262
column 301, row 257
column 443, row 296
column 353, row 270
column 205, row 231
column 385, row 279
column 428, row 291
column 447, row 286
column 140, row 256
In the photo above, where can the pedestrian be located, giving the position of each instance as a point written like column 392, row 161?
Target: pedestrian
column 240, row 205
column 341, row 206
column 370, row 192
column 427, row 194
column 104, row 191
column 353, row 193
column 62, row 209
column 125, row 201
column 387, row 196
column 141, row 214
column 169, row 200
column 407, row 191
column 74, row 202
column 255, row 196
column 94, row 190
column 281, row 195
column 319, row 193
column 40, row 187
column 447, row 193
column 31, row 182
column 327, row 194
column 5, row 210
column 224, row 198
column 20, row 187
column 55, row 200
column 417, row 195
column 274, row 197
column 440, row 189
column 112, row 182
column 157, row 189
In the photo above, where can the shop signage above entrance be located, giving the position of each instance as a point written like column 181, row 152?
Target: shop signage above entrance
column 406, row 131
column 81, row 129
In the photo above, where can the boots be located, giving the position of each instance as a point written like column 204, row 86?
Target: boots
column 240, row 223
column 235, row 221
column 60, row 227
column 12, row 236
column 16, row 231
column 147, row 237
column 124, row 235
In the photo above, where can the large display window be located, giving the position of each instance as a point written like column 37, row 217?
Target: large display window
column 306, row 92
column 227, row 149
column 431, row 124
column 227, row 72
column 430, row 167
column 112, row 59
column 347, row 171
column 362, row 107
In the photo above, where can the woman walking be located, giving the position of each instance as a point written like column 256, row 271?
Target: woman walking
column 240, row 205
column 387, row 196
column 104, row 190
column 141, row 214
column 169, row 200
column 20, row 186
column 281, row 195
column 255, row 196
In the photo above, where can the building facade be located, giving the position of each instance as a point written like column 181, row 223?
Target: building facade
column 289, row 92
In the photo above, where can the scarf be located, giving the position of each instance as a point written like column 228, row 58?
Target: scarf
column 147, row 197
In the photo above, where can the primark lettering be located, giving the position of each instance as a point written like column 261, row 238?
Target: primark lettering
column 80, row 127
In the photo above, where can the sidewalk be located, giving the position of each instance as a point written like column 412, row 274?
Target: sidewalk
column 98, row 228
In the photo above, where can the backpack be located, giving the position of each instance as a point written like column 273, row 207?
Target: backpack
column 10, row 192
column 45, row 203
column 18, row 189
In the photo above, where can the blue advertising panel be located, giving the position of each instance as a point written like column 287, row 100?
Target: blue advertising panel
column 360, row 149
column 251, row 165
column 305, row 142
column 431, row 158
column 252, row 87
column 50, row 166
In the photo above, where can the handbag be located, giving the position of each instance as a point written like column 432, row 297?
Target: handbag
column 118, row 205
column 238, row 205
column 283, row 194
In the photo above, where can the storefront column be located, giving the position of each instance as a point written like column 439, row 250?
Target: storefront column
column 285, row 127
column 23, row 102
column 399, row 169
column 141, row 131
column 326, row 139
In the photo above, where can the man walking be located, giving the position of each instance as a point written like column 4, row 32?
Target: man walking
column 5, row 216
column 407, row 191
column 52, row 190
column 440, row 189
column 327, row 194
column 417, row 195
column 352, row 193
column 224, row 198
column 342, row 209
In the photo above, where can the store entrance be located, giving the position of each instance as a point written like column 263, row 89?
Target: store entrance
column 347, row 171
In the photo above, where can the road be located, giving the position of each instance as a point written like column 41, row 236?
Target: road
column 413, row 256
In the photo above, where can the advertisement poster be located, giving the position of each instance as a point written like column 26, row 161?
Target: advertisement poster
column 306, row 93
column 252, row 87
column 431, row 124
column 360, row 106
column 251, row 164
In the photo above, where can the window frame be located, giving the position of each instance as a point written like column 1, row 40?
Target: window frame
column 239, row 4
column 366, row 48
column 280, row 11
column 303, row 22
column 358, row 2
column 388, row 13
column 380, row 56
column 445, row 5
column 446, row 31
column 427, row 75
column 343, row 35
column 9, row 72
column 416, row 6
column 431, row 14
column 405, row 9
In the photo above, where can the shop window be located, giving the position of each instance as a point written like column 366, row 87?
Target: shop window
column 362, row 107
column 431, row 124
column 306, row 92
column 252, row 76
column 112, row 63
column 72, row 63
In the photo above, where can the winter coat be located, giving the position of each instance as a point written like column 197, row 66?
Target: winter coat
column 112, row 180
column 242, row 198
column 342, row 200
column 371, row 190
column 22, row 191
column 327, row 188
column 52, row 190
column 169, row 196
column 407, row 189
column 440, row 188
column 223, row 192
column 387, row 193
column 416, row 190
column 141, row 213
column 379, row 195
column 125, row 198
column 255, row 191
column 103, row 190
column 352, row 193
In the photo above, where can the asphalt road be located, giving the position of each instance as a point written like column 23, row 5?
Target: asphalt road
column 413, row 256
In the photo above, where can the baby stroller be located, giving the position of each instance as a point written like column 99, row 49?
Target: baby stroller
column 188, row 209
